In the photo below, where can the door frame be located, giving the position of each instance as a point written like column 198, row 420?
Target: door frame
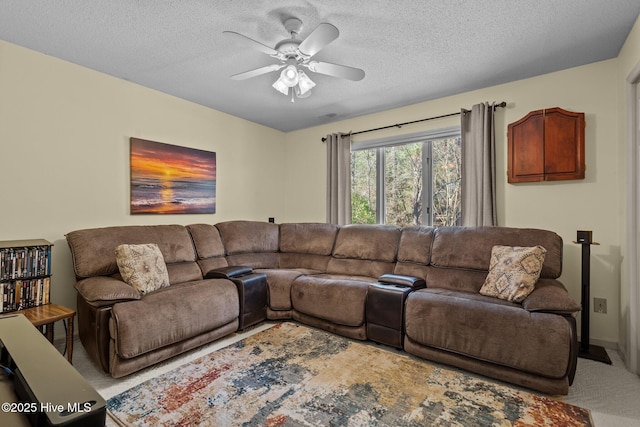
column 632, row 349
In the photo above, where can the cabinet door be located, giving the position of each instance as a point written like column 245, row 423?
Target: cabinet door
column 563, row 145
column 526, row 148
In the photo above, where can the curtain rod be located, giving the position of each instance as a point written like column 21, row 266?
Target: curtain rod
column 398, row 125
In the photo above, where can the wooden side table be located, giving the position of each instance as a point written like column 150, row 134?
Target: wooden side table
column 46, row 316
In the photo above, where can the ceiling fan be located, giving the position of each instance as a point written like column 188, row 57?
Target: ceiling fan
column 292, row 54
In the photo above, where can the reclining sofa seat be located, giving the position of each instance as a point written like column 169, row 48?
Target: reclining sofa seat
column 256, row 244
column 305, row 249
column 124, row 331
column 532, row 344
column 249, row 244
column 335, row 300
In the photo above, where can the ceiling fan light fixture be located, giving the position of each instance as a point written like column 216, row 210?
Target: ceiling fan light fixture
column 292, row 77
column 305, row 84
column 300, row 94
column 289, row 76
column 281, row 87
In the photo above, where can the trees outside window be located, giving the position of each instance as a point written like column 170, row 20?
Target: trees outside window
column 410, row 180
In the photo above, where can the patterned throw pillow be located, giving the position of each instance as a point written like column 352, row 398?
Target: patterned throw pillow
column 513, row 272
column 142, row 266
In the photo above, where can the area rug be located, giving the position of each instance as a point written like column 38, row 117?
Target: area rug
column 293, row 375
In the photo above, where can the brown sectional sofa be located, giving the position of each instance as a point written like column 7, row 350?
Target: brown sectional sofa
column 320, row 275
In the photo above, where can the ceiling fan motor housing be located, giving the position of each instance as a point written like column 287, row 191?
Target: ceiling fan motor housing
column 289, row 48
column 293, row 26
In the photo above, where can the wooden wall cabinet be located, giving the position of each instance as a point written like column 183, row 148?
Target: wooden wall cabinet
column 546, row 145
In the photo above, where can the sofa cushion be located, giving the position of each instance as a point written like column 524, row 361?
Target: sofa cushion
column 180, row 272
column 360, row 267
column 93, row 250
column 513, row 272
column 365, row 250
column 308, row 238
column 209, row 247
column 172, row 315
column 142, row 267
column 550, row 296
column 367, row 242
column 415, row 245
column 306, row 245
column 470, row 247
column 338, row 299
column 255, row 260
column 279, row 282
column 240, row 237
column 207, row 240
column 490, row 329
column 457, row 279
column 105, row 290
column 290, row 260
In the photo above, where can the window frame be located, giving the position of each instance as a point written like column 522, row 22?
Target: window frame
column 424, row 137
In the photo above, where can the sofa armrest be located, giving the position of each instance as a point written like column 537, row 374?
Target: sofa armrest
column 404, row 281
column 228, row 272
column 550, row 296
column 105, row 290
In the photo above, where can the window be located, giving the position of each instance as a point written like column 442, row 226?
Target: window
column 408, row 180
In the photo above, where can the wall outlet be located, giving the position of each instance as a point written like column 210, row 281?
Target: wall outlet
column 600, row 305
column 272, row 219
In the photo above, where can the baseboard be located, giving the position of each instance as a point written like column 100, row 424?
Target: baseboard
column 609, row 345
column 606, row 344
column 623, row 355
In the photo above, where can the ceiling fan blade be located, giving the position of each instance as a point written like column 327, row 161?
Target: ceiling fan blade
column 318, row 39
column 336, row 70
column 258, row 71
column 252, row 43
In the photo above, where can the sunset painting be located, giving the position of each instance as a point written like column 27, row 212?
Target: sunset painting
column 168, row 179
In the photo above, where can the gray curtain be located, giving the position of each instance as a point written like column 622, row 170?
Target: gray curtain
column 338, row 178
column 478, row 166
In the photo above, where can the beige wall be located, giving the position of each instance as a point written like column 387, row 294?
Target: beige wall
column 564, row 207
column 64, row 154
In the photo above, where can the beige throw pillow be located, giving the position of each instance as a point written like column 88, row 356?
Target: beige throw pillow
column 142, row 266
column 513, row 272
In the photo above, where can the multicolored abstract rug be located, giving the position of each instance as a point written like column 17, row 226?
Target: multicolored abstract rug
column 293, row 375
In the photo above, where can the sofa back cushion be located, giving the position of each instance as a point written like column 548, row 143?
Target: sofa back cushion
column 460, row 256
column 414, row 251
column 94, row 250
column 470, row 247
column 365, row 250
column 250, row 243
column 307, row 245
column 207, row 241
column 308, row 238
column 209, row 247
column 415, row 245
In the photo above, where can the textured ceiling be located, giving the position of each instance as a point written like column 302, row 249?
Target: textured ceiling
column 411, row 51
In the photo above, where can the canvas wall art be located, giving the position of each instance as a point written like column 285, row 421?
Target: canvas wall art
column 168, row 179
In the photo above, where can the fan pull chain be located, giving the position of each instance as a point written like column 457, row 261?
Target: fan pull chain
column 292, row 100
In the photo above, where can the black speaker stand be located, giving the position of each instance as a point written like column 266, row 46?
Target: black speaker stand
column 587, row 351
